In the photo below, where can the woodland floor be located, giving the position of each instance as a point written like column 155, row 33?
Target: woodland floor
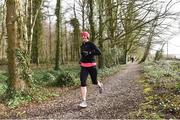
column 122, row 94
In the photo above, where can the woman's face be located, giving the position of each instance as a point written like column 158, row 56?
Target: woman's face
column 84, row 38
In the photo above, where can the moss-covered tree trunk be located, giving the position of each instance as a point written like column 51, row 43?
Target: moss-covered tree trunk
column 91, row 20
column 62, row 46
column 58, row 33
column 111, row 17
column 76, row 39
column 83, row 14
column 11, row 24
column 19, row 72
column 147, row 49
column 100, row 41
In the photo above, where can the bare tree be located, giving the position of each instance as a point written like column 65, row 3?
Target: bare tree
column 31, row 21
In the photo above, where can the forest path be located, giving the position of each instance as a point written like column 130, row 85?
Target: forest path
column 122, row 94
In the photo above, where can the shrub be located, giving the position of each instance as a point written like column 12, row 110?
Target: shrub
column 55, row 73
column 18, row 98
column 3, row 88
column 48, row 77
column 163, row 100
column 65, row 79
column 37, row 77
column 3, row 85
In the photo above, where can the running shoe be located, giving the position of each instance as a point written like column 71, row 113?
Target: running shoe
column 83, row 104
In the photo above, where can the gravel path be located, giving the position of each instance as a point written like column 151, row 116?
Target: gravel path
column 122, row 94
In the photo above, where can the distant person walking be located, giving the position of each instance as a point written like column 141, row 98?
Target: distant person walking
column 88, row 66
column 132, row 59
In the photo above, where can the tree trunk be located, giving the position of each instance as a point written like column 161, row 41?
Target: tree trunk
column 66, row 46
column 101, row 58
column 2, row 34
column 58, row 33
column 33, row 13
column 50, row 40
column 147, row 49
column 83, row 14
column 124, row 57
column 17, row 61
column 76, row 38
column 12, row 42
column 111, row 17
column 128, row 24
column 2, row 24
column 91, row 20
column 149, row 42
column 37, row 32
column 62, row 47
column 29, row 25
column 159, row 53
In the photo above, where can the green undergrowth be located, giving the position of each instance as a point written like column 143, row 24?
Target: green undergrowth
column 161, row 87
column 47, row 81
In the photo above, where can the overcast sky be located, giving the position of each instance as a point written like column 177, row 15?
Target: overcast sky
column 174, row 43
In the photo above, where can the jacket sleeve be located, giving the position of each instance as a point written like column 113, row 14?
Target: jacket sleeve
column 96, row 50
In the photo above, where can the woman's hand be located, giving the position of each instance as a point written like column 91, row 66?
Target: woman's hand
column 86, row 53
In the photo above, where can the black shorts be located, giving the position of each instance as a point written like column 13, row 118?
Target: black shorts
column 84, row 74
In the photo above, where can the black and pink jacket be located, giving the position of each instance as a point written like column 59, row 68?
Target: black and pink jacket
column 88, row 52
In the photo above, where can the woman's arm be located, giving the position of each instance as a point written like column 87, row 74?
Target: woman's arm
column 96, row 50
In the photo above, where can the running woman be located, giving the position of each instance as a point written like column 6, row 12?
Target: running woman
column 88, row 66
